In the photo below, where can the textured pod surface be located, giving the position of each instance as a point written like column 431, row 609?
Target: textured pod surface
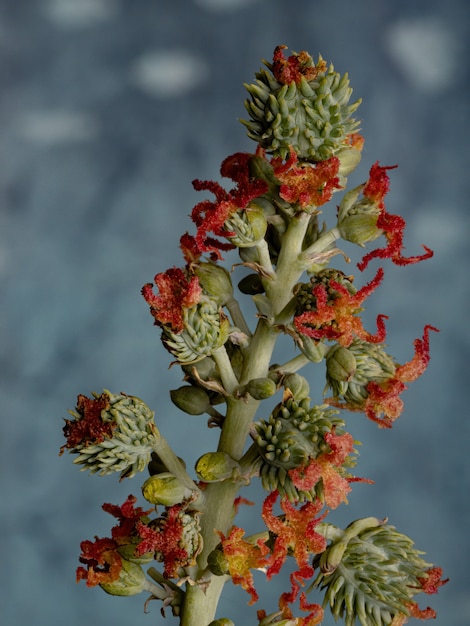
column 313, row 115
column 293, row 434
column 116, row 438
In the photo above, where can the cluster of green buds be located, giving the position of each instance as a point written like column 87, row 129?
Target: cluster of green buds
column 292, row 436
column 111, row 433
column 370, row 572
column 297, row 103
column 349, row 370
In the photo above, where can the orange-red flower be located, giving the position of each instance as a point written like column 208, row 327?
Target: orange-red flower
column 242, row 557
column 295, row 532
column 337, row 318
column 177, row 291
column 128, row 516
column 393, row 226
column 102, row 559
column 210, row 216
column 325, row 467
column 308, row 184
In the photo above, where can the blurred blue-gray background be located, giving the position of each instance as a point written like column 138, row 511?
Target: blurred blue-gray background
column 108, row 110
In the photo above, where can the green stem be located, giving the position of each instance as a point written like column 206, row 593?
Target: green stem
column 229, row 380
column 237, row 316
column 171, row 461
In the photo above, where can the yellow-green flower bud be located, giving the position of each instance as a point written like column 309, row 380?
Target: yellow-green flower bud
column 340, row 364
column 214, row 467
column 190, row 399
column 217, row 562
column 357, row 219
column 215, row 281
column 164, row 489
column 223, row 621
column 131, row 581
column 261, row 388
column 297, row 385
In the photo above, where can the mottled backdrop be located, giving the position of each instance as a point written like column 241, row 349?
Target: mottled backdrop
column 108, row 110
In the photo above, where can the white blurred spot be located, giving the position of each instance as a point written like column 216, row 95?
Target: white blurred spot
column 77, row 13
column 426, row 52
column 438, row 228
column 223, row 5
column 168, row 73
column 57, row 126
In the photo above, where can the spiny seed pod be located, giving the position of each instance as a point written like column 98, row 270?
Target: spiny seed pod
column 131, row 581
column 190, row 399
column 370, row 573
column 349, row 370
column 206, row 328
column 293, row 434
column 111, row 433
column 307, row 108
column 164, row 489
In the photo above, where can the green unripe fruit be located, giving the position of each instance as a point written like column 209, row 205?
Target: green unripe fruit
column 164, row 489
column 190, row 399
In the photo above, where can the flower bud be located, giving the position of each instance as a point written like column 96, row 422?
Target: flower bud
column 249, row 226
column 131, row 581
column 164, row 489
column 371, row 363
column 261, row 388
column 215, row 281
column 340, row 364
column 217, row 562
column 357, row 219
column 190, row 399
column 128, row 552
column 223, row 621
column 214, row 467
column 297, row 385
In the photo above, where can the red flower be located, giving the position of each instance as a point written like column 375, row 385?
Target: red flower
column 325, row 467
column 393, row 226
column 177, row 292
column 89, row 428
column 292, row 69
column 337, row 318
column 166, row 539
column 309, row 184
column 432, row 581
column 210, row 217
column 103, row 562
column 243, row 556
column 128, row 517
column 296, row 533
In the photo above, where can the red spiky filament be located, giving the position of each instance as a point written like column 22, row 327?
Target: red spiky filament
column 393, row 226
column 177, row 291
column 295, row 67
column 338, row 319
column 88, row 428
